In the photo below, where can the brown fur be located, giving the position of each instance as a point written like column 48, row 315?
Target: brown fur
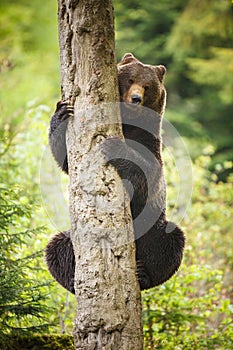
column 159, row 243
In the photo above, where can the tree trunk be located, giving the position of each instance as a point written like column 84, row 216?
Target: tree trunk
column 106, row 287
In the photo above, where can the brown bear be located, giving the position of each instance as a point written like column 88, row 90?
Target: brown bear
column 137, row 159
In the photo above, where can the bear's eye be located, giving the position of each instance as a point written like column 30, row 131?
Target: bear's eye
column 130, row 81
column 146, row 87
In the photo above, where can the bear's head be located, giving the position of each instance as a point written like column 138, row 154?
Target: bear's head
column 141, row 84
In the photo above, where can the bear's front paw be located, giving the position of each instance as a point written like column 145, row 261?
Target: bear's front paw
column 64, row 111
column 113, row 147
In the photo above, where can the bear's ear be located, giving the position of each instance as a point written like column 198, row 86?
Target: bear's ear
column 160, row 71
column 127, row 58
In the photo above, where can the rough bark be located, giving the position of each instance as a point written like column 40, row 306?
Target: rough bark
column 106, row 287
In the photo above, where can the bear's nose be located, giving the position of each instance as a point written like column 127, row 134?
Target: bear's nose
column 136, row 99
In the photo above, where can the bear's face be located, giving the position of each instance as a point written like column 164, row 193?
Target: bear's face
column 141, row 84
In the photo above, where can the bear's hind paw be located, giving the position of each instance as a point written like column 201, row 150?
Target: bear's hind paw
column 143, row 277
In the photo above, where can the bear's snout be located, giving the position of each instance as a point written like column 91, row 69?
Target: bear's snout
column 135, row 95
column 136, row 99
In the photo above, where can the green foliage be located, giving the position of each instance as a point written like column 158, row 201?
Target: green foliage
column 26, row 278
column 194, row 310
column 22, row 297
column 28, row 50
column 221, row 61
column 143, row 27
column 188, row 312
column 200, row 45
column 201, row 25
column 38, row 342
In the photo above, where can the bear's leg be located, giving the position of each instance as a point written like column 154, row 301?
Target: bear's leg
column 159, row 254
column 132, row 166
column 57, row 134
column 61, row 260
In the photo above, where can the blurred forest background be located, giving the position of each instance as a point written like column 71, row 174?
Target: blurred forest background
column 193, row 39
